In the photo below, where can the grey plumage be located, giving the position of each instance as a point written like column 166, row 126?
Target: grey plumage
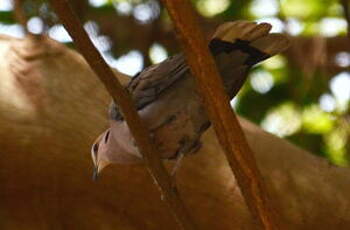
column 166, row 98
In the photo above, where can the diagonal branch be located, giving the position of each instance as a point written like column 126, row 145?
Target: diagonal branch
column 229, row 132
column 345, row 5
column 124, row 101
column 20, row 14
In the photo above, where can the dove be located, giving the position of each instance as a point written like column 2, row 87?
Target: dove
column 168, row 102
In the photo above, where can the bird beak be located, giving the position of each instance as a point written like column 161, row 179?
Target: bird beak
column 94, row 159
column 94, row 156
column 98, row 168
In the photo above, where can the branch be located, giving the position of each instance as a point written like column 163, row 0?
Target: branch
column 345, row 5
column 124, row 101
column 20, row 14
column 229, row 132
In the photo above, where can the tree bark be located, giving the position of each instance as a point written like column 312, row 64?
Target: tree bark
column 52, row 107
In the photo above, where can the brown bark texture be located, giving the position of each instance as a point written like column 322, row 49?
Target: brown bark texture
column 217, row 103
column 52, row 106
column 124, row 100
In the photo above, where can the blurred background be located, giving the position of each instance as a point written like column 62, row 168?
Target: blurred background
column 302, row 95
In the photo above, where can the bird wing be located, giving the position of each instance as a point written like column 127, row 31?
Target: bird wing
column 165, row 97
column 235, row 45
column 147, row 86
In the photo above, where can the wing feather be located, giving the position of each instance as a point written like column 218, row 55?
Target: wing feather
column 236, row 46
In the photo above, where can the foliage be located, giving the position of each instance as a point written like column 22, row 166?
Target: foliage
column 300, row 100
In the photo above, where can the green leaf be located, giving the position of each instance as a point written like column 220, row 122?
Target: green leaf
column 6, row 17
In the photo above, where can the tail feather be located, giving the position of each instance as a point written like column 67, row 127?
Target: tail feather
column 271, row 44
column 241, row 30
column 248, row 37
column 239, row 45
column 260, row 30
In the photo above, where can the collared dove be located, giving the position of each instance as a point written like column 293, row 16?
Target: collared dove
column 168, row 102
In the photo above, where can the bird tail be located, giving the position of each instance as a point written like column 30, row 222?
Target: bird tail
column 239, row 45
column 250, row 38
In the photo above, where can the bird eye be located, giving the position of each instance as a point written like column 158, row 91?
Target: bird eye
column 106, row 136
column 95, row 149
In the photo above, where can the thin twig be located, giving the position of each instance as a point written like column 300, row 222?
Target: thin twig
column 345, row 5
column 19, row 14
column 124, row 101
column 228, row 130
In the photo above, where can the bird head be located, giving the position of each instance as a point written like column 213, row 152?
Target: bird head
column 99, row 153
column 113, row 146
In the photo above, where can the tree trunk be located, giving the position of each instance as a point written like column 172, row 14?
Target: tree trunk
column 52, row 107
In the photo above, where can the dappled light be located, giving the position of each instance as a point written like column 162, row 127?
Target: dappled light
column 137, row 41
column 58, row 33
column 157, row 53
column 130, row 64
column 35, row 25
column 261, row 81
column 210, row 8
column 284, row 120
column 293, row 109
